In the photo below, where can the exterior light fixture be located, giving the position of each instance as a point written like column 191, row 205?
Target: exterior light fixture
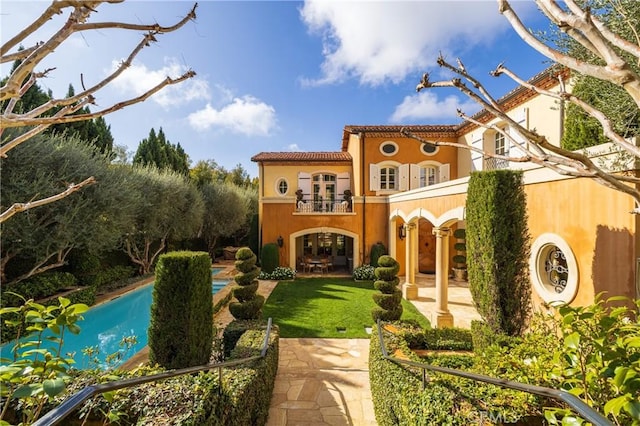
column 280, row 241
column 402, row 232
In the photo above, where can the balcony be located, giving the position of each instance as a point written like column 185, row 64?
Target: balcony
column 323, row 207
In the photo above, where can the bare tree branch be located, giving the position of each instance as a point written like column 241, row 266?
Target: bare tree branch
column 20, row 207
column 23, row 77
column 578, row 23
column 616, row 69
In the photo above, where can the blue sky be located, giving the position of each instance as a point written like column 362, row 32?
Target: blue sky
column 282, row 75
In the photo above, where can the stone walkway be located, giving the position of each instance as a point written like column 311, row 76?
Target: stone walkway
column 326, row 381
column 322, row 382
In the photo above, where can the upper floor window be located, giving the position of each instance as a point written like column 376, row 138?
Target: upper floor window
column 501, row 148
column 388, row 148
column 428, row 149
column 388, row 177
column 282, row 186
column 428, row 175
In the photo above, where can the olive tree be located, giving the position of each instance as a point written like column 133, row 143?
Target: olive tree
column 167, row 207
column 225, row 212
column 54, row 111
column 93, row 220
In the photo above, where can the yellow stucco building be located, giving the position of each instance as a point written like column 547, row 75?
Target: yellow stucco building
column 385, row 187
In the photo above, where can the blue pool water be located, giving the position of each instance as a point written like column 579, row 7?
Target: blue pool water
column 105, row 325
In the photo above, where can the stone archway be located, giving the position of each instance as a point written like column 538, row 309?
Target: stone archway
column 325, row 229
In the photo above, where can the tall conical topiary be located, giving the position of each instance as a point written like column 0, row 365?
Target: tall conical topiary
column 249, row 304
column 389, row 300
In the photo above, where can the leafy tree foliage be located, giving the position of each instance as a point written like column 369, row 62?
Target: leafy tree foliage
column 157, row 151
column 91, row 221
column 581, row 130
column 225, row 212
column 166, row 207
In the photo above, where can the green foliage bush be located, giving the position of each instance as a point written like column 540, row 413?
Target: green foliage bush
column 249, row 303
column 181, row 328
column 270, row 257
column 108, row 278
column 390, row 301
column 498, row 250
column 38, row 287
column 400, row 399
column 377, row 250
column 278, row 274
column 364, row 273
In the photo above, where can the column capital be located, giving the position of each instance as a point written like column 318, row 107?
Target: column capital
column 441, row 231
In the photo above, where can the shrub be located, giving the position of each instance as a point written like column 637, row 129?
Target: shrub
column 181, row 328
column 364, row 273
column 498, row 250
column 389, row 300
column 399, row 397
column 270, row 257
column 598, row 359
column 377, row 250
column 249, row 304
column 38, row 287
column 278, row 274
column 109, row 278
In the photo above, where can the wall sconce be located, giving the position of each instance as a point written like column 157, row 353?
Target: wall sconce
column 402, row 232
column 280, row 241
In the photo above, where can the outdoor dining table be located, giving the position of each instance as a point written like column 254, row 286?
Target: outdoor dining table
column 315, row 263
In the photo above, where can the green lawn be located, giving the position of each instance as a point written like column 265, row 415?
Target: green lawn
column 319, row 307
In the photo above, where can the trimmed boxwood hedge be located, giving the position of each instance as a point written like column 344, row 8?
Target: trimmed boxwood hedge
column 181, row 329
column 243, row 400
column 198, row 400
column 399, row 398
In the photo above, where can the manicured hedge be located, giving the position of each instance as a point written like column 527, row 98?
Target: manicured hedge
column 399, row 398
column 498, row 249
column 243, row 400
column 248, row 304
column 181, row 328
column 269, row 257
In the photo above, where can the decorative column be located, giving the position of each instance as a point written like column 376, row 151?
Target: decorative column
column 410, row 289
column 443, row 317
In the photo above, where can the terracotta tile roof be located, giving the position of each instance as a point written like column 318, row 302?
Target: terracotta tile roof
column 317, row 157
column 386, row 130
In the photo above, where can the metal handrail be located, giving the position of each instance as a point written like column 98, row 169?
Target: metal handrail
column 574, row 402
column 56, row 415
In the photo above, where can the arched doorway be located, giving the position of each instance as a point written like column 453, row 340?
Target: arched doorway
column 343, row 246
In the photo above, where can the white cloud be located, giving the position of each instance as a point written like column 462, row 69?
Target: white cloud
column 381, row 41
column 246, row 115
column 426, row 105
column 137, row 79
column 293, row 148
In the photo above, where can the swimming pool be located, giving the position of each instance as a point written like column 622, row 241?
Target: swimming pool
column 105, row 325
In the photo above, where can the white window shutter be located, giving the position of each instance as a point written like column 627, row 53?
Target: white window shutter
column 374, row 177
column 344, row 183
column 304, row 183
column 443, row 173
column 403, row 171
column 414, row 176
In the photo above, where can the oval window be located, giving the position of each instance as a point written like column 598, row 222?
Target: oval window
column 554, row 269
column 282, row 186
column 428, row 149
column 388, row 148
